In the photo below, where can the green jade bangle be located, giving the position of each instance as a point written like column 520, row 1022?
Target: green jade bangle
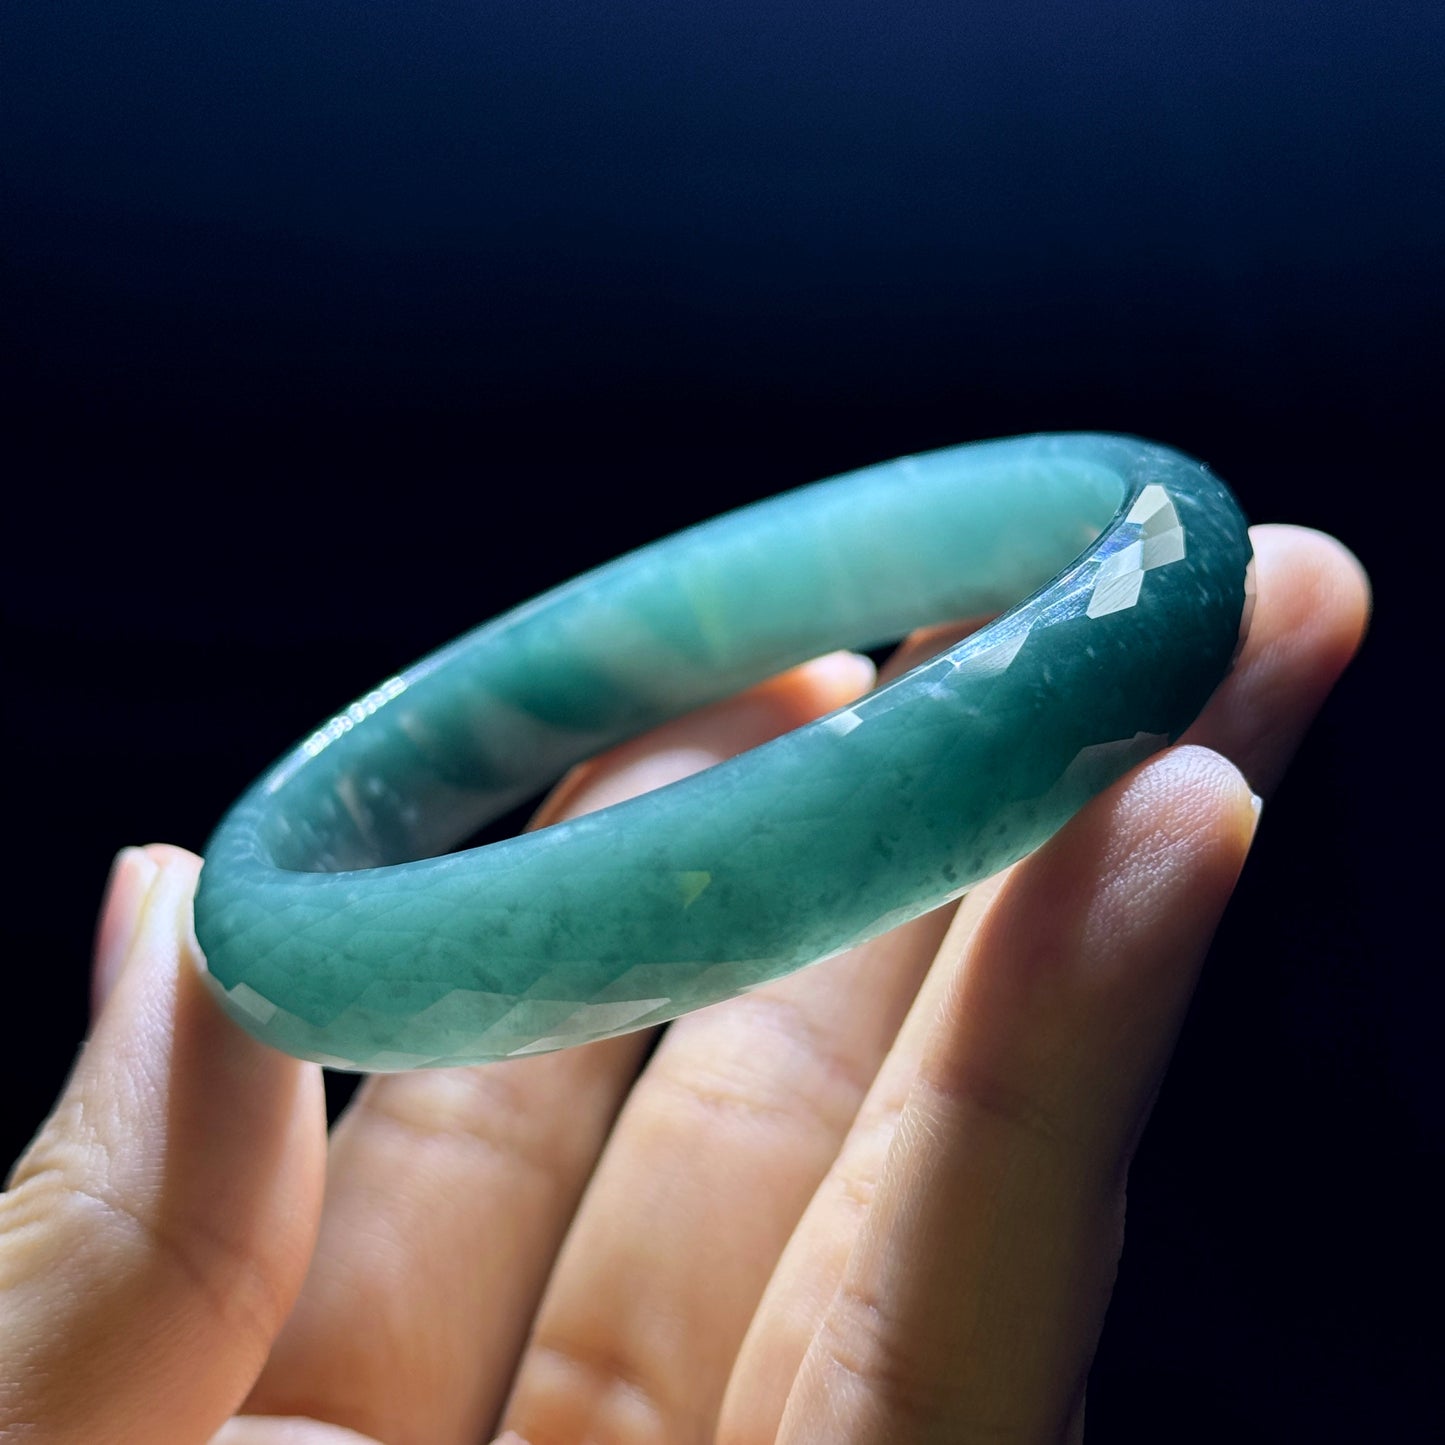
column 325, row 938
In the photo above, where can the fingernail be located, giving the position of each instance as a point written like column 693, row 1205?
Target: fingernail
column 1256, row 804
column 126, row 890
column 848, row 673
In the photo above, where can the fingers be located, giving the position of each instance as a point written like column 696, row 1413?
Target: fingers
column 1313, row 603
column 1311, row 609
column 154, row 1235
column 973, row 1295
column 723, row 1139
column 449, row 1191
column 789, row 1064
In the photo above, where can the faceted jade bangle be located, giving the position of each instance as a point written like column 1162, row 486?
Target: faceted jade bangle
column 326, row 939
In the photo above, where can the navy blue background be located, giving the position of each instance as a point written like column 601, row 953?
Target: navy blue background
column 334, row 329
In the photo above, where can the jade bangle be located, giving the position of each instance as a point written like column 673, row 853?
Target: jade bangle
column 335, row 925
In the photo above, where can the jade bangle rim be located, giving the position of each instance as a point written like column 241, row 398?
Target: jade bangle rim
column 302, row 948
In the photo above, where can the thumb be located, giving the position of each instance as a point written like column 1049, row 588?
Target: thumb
column 156, row 1232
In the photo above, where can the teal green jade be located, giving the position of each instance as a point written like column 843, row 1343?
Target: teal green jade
column 336, row 925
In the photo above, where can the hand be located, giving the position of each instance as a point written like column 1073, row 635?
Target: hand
column 881, row 1200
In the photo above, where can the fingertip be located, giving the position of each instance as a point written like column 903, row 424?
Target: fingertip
column 786, row 700
column 1192, row 788
column 778, row 704
column 1332, row 588
column 837, row 678
column 1312, row 611
column 137, row 875
column 1175, row 836
column 132, row 874
column 1184, row 800
column 168, row 855
column 1313, row 543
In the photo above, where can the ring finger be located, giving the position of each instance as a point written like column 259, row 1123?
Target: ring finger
column 722, row 1141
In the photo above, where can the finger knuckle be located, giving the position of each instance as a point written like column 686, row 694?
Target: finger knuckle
column 574, row 1388
column 62, row 1200
column 862, row 1341
column 468, row 1111
column 777, row 1067
column 970, row 1091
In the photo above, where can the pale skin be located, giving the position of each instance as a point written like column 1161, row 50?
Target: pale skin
column 879, row 1201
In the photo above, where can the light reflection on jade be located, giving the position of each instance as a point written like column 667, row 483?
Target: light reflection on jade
column 337, row 927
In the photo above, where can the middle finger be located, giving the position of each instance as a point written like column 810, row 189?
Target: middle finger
column 722, row 1142
column 449, row 1190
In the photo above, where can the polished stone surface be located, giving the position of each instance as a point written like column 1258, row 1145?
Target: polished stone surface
column 326, row 939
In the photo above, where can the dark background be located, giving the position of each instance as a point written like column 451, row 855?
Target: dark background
column 335, row 329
